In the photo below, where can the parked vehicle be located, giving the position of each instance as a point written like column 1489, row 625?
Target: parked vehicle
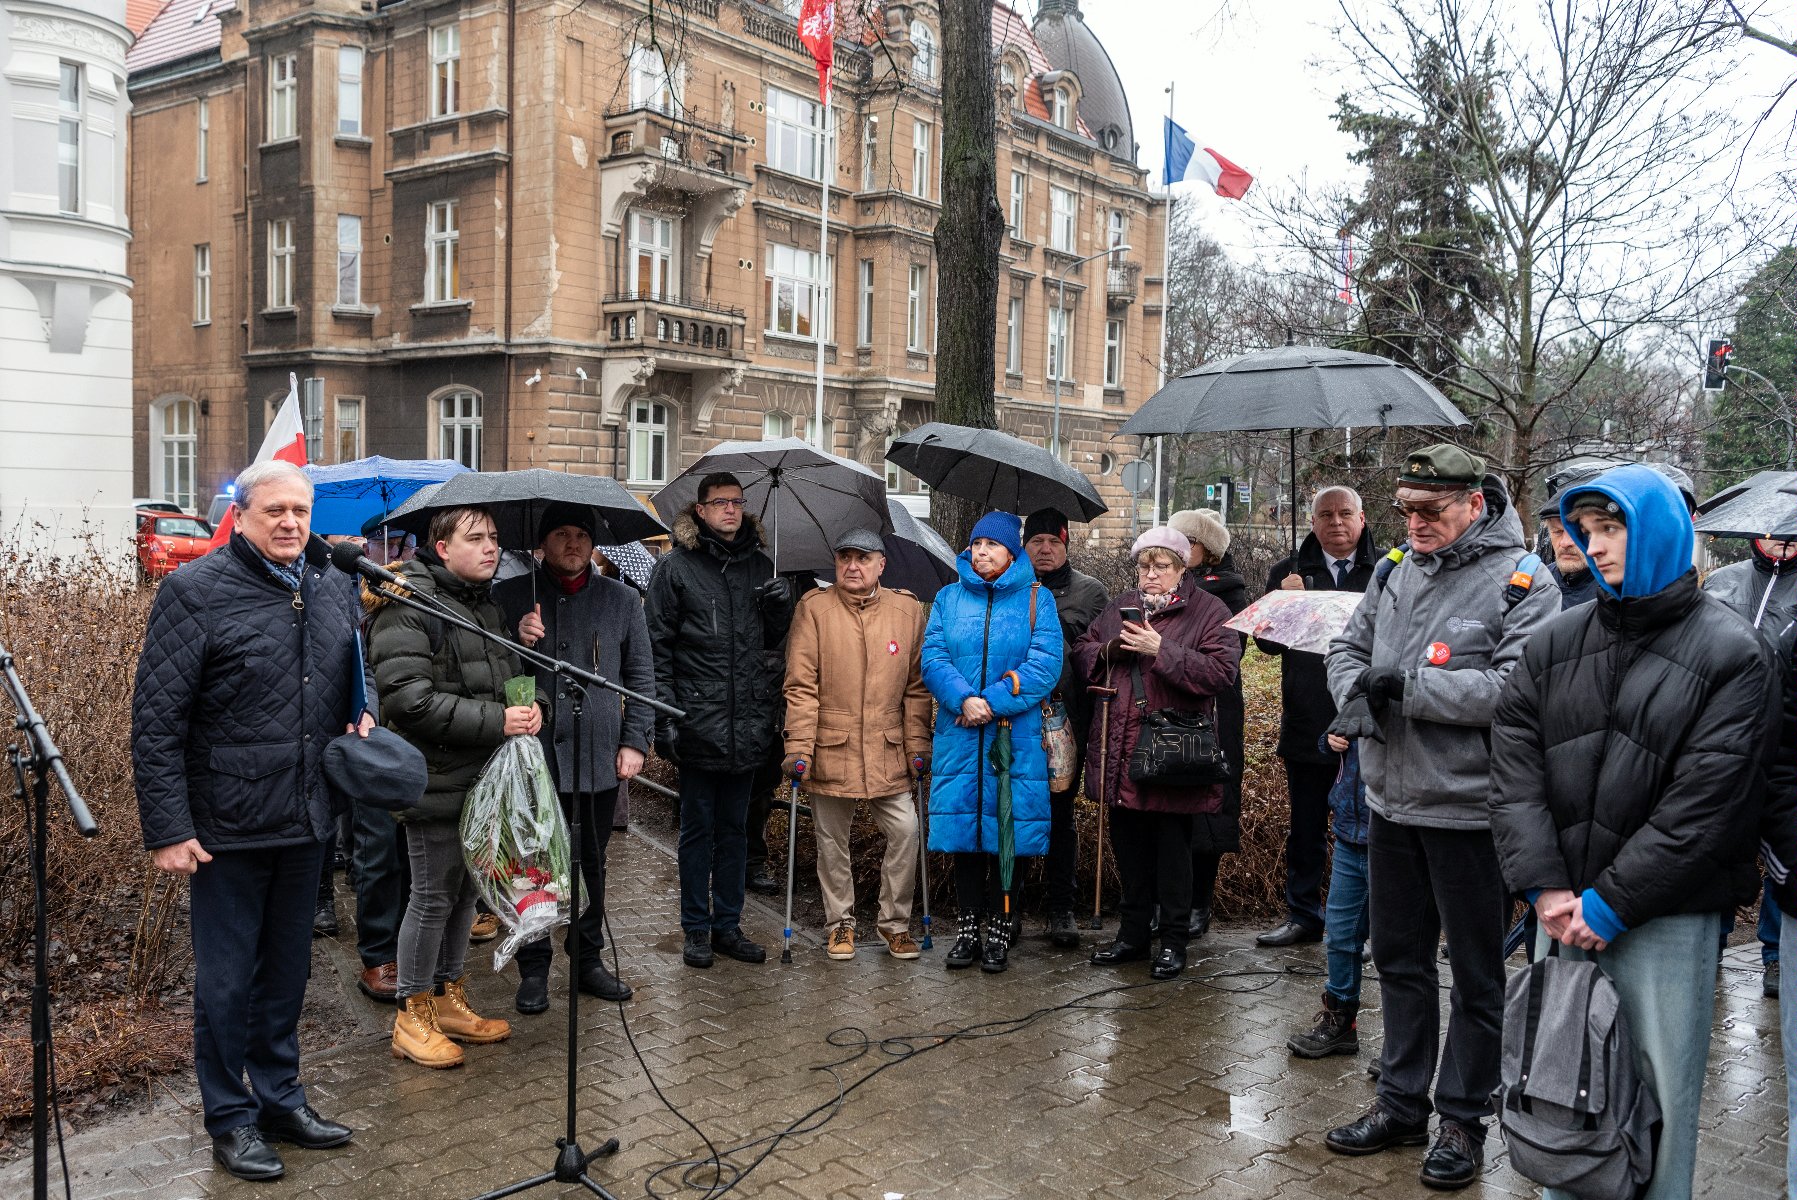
column 143, row 503
column 166, row 540
column 215, row 512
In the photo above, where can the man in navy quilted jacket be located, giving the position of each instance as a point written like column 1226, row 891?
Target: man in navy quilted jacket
column 248, row 670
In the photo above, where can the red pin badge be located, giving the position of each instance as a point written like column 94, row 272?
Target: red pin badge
column 892, row 647
column 1439, row 653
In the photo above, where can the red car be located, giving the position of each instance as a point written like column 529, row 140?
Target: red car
column 166, row 540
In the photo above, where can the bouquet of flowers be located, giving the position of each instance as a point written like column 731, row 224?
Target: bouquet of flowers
column 515, row 841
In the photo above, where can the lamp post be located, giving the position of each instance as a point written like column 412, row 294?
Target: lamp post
column 1060, row 365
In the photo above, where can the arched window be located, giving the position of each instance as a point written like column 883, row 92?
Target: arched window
column 174, row 450
column 459, row 427
column 774, row 426
column 923, row 63
column 1063, row 108
column 648, row 442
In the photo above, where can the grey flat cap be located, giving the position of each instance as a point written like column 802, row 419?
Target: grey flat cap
column 864, row 540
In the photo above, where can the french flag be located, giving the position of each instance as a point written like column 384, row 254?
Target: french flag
column 1189, row 163
column 285, row 440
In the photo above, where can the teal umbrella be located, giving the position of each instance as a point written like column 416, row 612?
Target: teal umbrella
column 1001, row 758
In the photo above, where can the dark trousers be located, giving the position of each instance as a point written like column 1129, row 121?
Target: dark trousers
column 762, row 790
column 1204, row 878
column 1063, row 848
column 595, row 834
column 977, row 882
column 381, row 879
column 251, row 913
column 1154, row 859
column 1307, row 840
column 1422, row 883
column 713, row 848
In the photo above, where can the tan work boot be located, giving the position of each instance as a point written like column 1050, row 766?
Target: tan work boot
column 901, row 944
column 462, row 1023
column 416, row 1036
column 842, row 943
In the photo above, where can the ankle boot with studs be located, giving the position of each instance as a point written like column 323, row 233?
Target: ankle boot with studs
column 966, row 950
column 997, row 950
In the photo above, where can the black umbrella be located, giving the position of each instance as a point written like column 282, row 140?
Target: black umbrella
column 995, row 470
column 1761, row 506
column 1293, row 388
column 517, row 499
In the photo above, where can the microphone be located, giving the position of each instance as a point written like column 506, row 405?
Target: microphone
column 351, row 559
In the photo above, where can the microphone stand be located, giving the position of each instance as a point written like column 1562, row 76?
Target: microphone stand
column 570, row 1160
column 43, row 760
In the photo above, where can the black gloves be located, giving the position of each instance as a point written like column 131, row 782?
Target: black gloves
column 776, row 593
column 667, row 744
column 1356, row 720
column 1381, row 685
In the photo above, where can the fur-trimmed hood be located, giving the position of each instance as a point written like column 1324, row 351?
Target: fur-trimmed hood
column 686, row 530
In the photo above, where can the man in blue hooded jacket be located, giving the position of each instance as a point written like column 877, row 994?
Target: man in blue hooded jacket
column 1629, row 761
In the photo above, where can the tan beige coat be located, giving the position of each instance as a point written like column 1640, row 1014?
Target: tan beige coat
column 856, row 707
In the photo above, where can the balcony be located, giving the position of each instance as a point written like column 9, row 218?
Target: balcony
column 643, row 335
column 1121, row 283
column 653, row 153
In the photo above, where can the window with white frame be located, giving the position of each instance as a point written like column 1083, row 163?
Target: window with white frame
column 1117, row 233
column 349, row 261
column 349, row 428
column 446, row 70
column 1060, row 341
column 1020, row 184
column 920, row 159
column 202, row 146
column 923, row 63
column 917, row 309
column 283, row 97
column 652, row 274
column 202, row 284
column 281, row 252
column 864, row 316
column 312, row 417
column 648, row 442
column 442, row 252
column 69, row 126
column 797, row 295
column 774, row 426
column 870, row 155
column 1014, row 336
column 651, row 83
column 174, row 454
column 795, row 134
column 349, row 91
column 1063, row 108
column 1007, row 75
column 1113, row 353
column 458, row 427
column 1064, row 213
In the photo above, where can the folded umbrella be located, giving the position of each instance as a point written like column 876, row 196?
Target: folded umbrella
column 1297, row 620
column 1001, row 758
column 995, row 471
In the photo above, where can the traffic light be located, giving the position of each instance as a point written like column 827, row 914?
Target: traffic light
column 1715, row 364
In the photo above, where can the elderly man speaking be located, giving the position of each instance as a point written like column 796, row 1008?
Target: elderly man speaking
column 248, row 670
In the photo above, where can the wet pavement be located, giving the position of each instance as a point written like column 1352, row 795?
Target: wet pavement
column 1057, row 1087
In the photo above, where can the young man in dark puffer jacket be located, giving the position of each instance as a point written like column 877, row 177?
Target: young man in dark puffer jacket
column 1630, row 756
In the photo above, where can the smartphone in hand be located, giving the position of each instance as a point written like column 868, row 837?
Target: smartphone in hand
column 1132, row 615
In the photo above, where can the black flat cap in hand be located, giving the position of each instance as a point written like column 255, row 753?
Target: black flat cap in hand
column 382, row 769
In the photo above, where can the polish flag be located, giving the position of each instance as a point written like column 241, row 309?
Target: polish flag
column 817, row 29
column 1187, row 162
column 285, row 440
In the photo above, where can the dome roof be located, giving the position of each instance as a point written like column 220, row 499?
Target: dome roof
column 1071, row 45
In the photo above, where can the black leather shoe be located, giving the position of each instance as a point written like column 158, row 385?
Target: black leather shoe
column 1168, row 963
column 597, row 981
column 533, row 995
column 1117, row 953
column 1062, row 931
column 1200, row 923
column 324, row 921
column 303, row 1127
column 1455, row 1159
column 735, row 945
column 697, row 951
column 246, row 1154
column 1374, row 1131
column 761, row 880
column 1769, row 981
column 1289, row 934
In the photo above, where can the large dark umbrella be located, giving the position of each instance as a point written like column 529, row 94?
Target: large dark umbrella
column 918, row 558
column 1761, row 506
column 517, row 500
column 995, row 471
column 1293, row 388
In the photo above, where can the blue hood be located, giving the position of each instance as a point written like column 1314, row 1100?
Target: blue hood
column 1660, row 531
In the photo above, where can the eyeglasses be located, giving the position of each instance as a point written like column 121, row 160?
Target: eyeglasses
column 1158, row 568
column 721, row 503
column 1431, row 513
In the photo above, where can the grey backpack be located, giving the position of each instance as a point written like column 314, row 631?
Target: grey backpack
column 1575, row 1112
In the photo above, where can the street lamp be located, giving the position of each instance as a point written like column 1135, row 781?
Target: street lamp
column 1060, row 365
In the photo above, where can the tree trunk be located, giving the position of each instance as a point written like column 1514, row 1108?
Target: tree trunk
column 968, row 234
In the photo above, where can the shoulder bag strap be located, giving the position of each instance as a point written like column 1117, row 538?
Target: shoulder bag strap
column 1141, row 689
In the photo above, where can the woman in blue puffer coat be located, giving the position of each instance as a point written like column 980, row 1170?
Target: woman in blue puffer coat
column 991, row 653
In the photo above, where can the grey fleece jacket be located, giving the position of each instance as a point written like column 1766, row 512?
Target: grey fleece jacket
column 1433, row 768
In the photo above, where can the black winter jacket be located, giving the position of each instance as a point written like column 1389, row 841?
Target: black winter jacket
column 1218, row 833
column 1305, row 707
column 442, row 688
column 1630, row 752
column 239, row 688
column 712, row 640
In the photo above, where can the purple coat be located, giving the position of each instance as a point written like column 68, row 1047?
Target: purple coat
column 1198, row 659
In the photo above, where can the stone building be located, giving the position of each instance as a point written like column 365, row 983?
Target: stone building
column 586, row 235
column 65, row 294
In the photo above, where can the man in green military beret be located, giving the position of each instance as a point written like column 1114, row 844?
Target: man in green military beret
column 1416, row 677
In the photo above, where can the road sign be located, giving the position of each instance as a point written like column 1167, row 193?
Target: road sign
column 1138, row 477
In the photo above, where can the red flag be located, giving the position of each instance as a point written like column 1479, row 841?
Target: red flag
column 817, row 29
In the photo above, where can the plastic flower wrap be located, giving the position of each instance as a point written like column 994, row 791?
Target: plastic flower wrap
column 515, row 841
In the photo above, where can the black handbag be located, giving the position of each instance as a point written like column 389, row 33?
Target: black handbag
column 1174, row 749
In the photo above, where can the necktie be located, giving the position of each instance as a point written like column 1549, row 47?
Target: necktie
column 1339, row 568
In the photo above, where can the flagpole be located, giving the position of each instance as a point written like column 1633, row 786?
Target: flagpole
column 1160, row 379
column 821, row 320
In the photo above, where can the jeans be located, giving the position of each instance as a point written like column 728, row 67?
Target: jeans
column 433, row 938
column 1307, row 839
column 380, row 880
column 251, row 914
column 1154, row 858
column 595, row 835
column 713, row 849
column 1787, row 1025
column 1422, row 883
column 1665, row 978
column 1345, row 922
column 1063, row 851
column 1768, row 929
